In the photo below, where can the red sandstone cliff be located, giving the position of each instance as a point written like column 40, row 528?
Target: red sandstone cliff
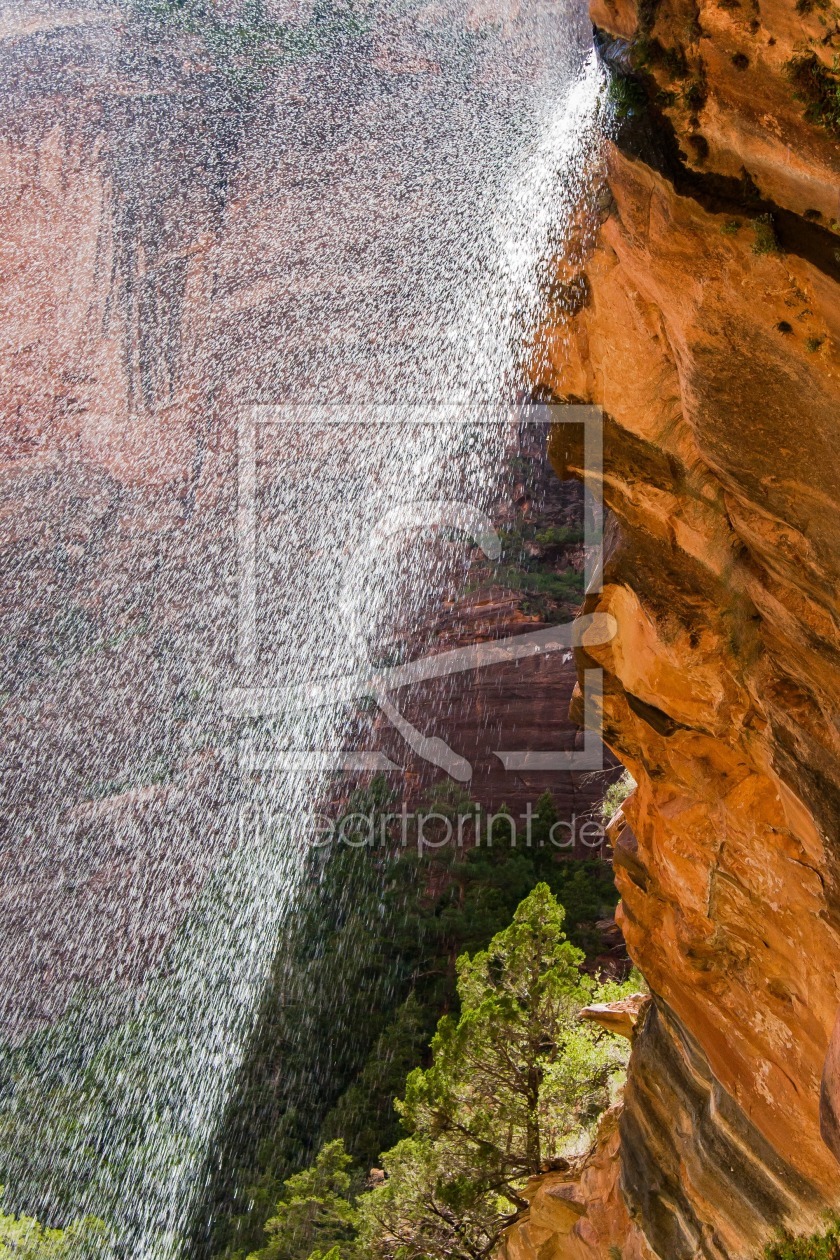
column 711, row 336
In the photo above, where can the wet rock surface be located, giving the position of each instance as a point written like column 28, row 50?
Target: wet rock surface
column 699, row 1175
column 714, row 348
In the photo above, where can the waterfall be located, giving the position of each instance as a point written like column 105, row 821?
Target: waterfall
column 380, row 226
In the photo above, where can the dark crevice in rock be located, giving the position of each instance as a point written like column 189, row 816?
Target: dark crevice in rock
column 656, row 719
column 809, row 769
column 626, row 855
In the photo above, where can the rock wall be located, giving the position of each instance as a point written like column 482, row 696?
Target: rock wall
column 711, row 337
column 579, row 1217
column 525, row 701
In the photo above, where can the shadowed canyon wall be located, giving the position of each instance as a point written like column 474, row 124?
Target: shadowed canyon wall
column 710, row 334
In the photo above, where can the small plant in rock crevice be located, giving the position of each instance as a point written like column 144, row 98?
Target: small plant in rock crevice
column 615, row 796
column 627, row 96
column 694, row 94
column 766, row 241
column 818, row 88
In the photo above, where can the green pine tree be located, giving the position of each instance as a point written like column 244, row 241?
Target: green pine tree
column 516, row 1082
column 314, row 1215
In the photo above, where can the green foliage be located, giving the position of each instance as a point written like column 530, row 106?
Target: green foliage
column 314, row 1213
column 616, row 794
column 434, row 1204
column 626, row 95
column 818, row 88
column 824, row 1246
column 558, row 536
column 51, row 1083
column 336, row 986
column 766, row 241
column 674, row 61
column 644, row 51
column 24, row 1238
column 515, row 1071
column 364, row 1114
column 647, row 52
column 529, row 564
column 516, row 1082
column 731, row 227
column 561, row 588
column 367, row 969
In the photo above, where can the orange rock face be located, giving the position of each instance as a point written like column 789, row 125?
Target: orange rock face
column 579, row 1215
column 727, row 74
column 711, row 339
column 621, row 1017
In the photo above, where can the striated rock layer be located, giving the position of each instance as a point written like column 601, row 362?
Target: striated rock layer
column 579, row 1214
column 710, row 334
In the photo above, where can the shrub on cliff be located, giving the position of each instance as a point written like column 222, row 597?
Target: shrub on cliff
column 823, row 1246
column 615, row 796
column 515, row 1084
column 818, row 88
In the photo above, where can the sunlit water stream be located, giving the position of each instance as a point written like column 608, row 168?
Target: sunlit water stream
column 355, row 238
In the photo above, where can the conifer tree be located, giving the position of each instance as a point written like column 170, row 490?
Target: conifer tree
column 515, row 1084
